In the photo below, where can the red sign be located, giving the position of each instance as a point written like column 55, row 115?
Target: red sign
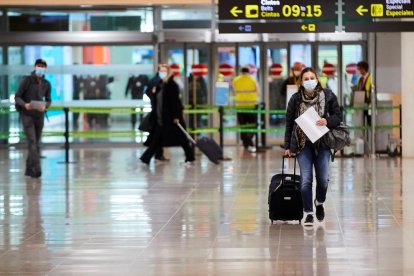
column 276, row 69
column 252, row 69
column 175, row 68
column 351, row 68
column 328, row 69
column 226, row 69
column 199, row 70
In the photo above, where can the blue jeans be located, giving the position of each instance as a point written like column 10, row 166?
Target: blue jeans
column 308, row 159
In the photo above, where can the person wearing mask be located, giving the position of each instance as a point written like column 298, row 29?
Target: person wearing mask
column 293, row 79
column 364, row 84
column 154, row 83
column 246, row 93
column 32, row 99
column 311, row 155
column 166, row 113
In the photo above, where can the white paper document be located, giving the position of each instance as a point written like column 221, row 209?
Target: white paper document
column 39, row 105
column 307, row 122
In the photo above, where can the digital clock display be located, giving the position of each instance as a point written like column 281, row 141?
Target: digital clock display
column 275, row 9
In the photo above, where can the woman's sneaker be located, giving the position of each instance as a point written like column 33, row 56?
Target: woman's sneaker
column 320, row 212
column 308, row 220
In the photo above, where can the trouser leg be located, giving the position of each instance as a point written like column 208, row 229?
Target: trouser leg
column 243, row 119
column 305, row 160
column 156, row 143
column 159, row 154
column 322, row 174
column 188, row 150
column 33, row 130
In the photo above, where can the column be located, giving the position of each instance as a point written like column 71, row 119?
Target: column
column 407, row 93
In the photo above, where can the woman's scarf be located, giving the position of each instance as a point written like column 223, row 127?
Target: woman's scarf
column 315, row 99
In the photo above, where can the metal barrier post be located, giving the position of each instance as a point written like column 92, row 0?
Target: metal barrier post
column 263, row 124
column 66, row 110
column 221, row 126
column 66, row 135
column 257, row 127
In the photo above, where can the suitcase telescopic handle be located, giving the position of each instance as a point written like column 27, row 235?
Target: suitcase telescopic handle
column 283, row 164
column 186, row 134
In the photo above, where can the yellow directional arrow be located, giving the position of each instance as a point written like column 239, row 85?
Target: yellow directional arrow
column 234, row 11
column 360, row 10
column 304, row 27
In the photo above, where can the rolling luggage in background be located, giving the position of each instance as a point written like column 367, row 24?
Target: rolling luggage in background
column 207, row 146
column 285, row 199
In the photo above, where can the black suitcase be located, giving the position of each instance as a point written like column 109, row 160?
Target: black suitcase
column 285, row 198
column 207, row 146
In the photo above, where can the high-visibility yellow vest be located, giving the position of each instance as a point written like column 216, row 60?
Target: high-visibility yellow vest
column 367, row 87
column 245, row 91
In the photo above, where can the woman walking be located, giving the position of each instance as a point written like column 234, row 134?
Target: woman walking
column 311, row 155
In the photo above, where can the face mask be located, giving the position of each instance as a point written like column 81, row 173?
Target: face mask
column 162, row 74
column 40, row 71
column 296, row 73
column 310, row 84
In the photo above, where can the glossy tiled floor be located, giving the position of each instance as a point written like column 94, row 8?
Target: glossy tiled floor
column 109, row 215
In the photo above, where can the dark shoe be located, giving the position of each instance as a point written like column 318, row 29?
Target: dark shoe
column 33, row 173
column 308, row 220
column 320, row 211
column 144, row 161
column 162, row 159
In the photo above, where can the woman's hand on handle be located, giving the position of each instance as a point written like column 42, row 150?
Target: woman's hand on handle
column 287, row 153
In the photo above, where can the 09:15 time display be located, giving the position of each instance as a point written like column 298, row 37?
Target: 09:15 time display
column 302, row 11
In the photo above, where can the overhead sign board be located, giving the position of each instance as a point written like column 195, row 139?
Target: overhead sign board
column 380, row 27
column 276, row 9
column 379, row 9
column 276, row 27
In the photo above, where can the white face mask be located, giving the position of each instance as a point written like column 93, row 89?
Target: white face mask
column 40, row 71
column 310, row 84
column 162, row 74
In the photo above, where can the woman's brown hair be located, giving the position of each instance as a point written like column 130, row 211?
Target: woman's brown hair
column 309, row 69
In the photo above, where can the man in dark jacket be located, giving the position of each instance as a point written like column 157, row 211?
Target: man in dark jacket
column 32, row 99
column 166, row 113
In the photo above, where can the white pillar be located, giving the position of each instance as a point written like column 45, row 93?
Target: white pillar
column 407, row 93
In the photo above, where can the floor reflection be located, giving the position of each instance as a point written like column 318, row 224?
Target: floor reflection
column 107, row 214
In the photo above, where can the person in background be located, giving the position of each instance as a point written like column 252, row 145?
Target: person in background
column 166, row 113
column 32, row 99
column 293, row 79
column 364, row 84
column 137, row 85
column 311, row 155
column 246, row 93
column 154, row 83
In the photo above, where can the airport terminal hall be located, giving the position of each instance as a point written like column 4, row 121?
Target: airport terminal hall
column 206, row 137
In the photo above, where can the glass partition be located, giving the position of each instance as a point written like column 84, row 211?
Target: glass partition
column 351, row 55
column 328, row 55
column 84, row 73
column 301, row 53
column 277, row 57
column 197, row 83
